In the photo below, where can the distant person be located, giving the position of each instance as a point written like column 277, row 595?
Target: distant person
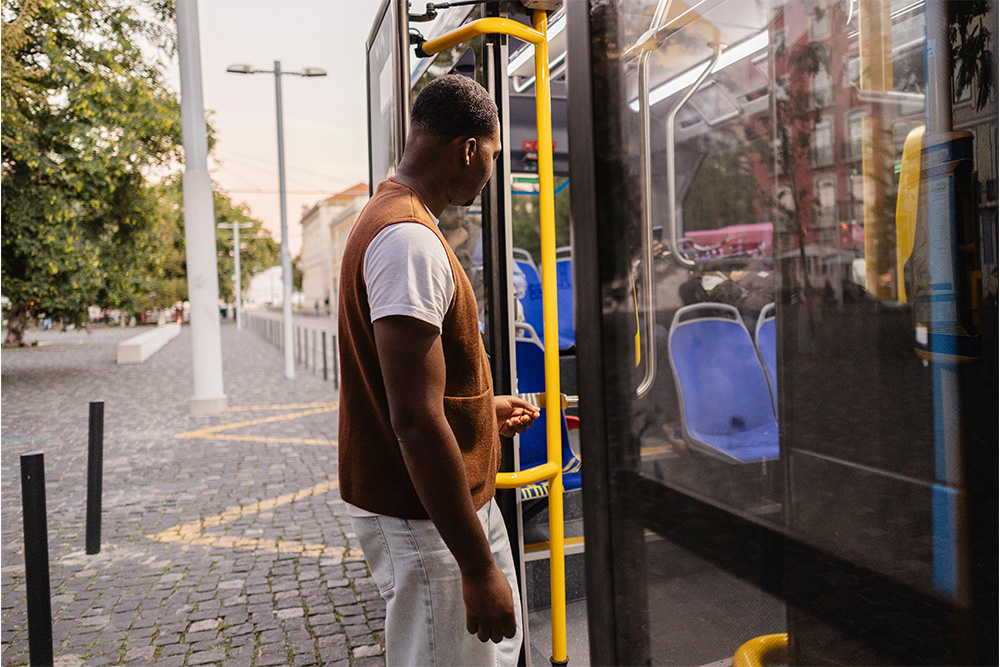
column 418, row 440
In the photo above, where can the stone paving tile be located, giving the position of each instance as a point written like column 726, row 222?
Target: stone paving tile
column 238, row 587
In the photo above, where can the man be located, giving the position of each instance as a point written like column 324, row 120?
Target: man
column 418, row 440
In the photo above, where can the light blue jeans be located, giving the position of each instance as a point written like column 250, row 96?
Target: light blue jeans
column 421, row 584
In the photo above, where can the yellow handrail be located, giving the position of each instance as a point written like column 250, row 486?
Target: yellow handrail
column 552, row 469
column 487, row 26
column 512, row 480
column 760, row 651
column 906, row 204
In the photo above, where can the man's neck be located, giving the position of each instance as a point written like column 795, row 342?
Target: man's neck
column 429, row 196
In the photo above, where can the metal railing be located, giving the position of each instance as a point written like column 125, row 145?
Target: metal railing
column 315, row 345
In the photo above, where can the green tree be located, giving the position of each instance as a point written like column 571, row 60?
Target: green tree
column 169, row 280
column 259, row 250
column 525, row 221
column 86, row 119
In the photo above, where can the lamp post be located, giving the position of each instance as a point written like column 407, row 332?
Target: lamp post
column 209, row 396
column 286, row 261
column 235, row 226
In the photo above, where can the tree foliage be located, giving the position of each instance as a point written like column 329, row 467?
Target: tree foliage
column 87, row 119
column 169, row 280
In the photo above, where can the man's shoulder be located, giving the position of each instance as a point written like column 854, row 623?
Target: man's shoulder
column 394, row 202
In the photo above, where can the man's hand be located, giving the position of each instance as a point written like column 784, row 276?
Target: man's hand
column 514, row 415
column 489, row 607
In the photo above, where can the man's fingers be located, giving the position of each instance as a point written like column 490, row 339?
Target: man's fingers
column 516, row 402
column 484, row 633
column 510, row 629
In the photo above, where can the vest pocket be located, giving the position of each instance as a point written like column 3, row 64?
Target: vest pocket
column 472, row 419
column 474, row 423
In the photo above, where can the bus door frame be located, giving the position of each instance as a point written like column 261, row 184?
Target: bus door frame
column 498, row 278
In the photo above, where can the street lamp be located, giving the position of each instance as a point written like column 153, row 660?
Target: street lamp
column 236, row 226
column 286, row 261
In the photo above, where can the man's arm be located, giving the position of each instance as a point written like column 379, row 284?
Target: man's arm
column 413, row 370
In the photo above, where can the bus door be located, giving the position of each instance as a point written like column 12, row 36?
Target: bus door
column 497, row 240
column 784, row 228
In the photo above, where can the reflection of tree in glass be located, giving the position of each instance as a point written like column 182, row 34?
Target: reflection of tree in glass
column 724, row 190
column 525, row 226
column 972, row 58
column 445, row 61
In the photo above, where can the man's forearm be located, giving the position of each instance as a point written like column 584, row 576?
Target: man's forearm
column 437, row 470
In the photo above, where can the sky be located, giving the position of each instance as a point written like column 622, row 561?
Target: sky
column 325, row 119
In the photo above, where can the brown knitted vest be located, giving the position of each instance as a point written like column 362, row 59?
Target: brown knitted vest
column 373, row 475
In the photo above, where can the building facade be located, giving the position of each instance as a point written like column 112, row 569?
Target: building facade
column 325, row 227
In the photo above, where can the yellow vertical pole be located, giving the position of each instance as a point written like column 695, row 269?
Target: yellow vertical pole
column 550, row 312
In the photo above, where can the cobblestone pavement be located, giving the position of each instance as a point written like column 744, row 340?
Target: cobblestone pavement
column 224, row 538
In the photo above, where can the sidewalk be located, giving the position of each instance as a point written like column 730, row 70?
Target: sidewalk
column 225, row 541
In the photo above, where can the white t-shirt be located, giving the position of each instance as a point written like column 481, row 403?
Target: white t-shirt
column 407, row 272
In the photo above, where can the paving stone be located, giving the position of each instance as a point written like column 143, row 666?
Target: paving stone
column 205, row 657
column 271, row 660
column 210, row 624
column 367, row 651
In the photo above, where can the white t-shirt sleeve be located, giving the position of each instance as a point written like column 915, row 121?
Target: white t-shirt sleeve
column 407, row 272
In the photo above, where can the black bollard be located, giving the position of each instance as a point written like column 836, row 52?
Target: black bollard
column 325, row 376
column 36, row 558
column 95, row 477
column 314, row 351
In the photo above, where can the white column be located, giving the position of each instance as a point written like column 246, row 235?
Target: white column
column 199, row 223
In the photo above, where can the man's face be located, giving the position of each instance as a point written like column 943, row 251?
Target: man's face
column 481, row 157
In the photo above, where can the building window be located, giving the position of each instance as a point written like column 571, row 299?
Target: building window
column 857, row 197
column 822, row 91
column 825, row 197
column 855, row 134
column 820, row 23
column 822, row 143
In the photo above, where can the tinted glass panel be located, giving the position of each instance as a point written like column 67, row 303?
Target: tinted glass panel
column 795, row 373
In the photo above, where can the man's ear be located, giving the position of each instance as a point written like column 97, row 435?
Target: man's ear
column 469, row 149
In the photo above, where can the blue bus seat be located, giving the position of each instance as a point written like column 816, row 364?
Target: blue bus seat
column 724, row 396
column 531, row 300
column 767, row 349
column 533, row 442
column 564, row 297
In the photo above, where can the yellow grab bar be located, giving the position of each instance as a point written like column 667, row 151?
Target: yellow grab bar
column 760, row 651
column 552, row 469
column 512, row 480
column 487, row 26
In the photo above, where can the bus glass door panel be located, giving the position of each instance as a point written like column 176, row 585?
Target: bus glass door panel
column 862, row 526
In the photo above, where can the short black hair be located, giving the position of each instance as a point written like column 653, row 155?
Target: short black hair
column 454, row 106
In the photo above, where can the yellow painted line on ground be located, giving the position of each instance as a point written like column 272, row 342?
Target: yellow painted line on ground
column 276, row 546
column 202, row 432
column 660, row 449
column 293, row 406
column 193, row 532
